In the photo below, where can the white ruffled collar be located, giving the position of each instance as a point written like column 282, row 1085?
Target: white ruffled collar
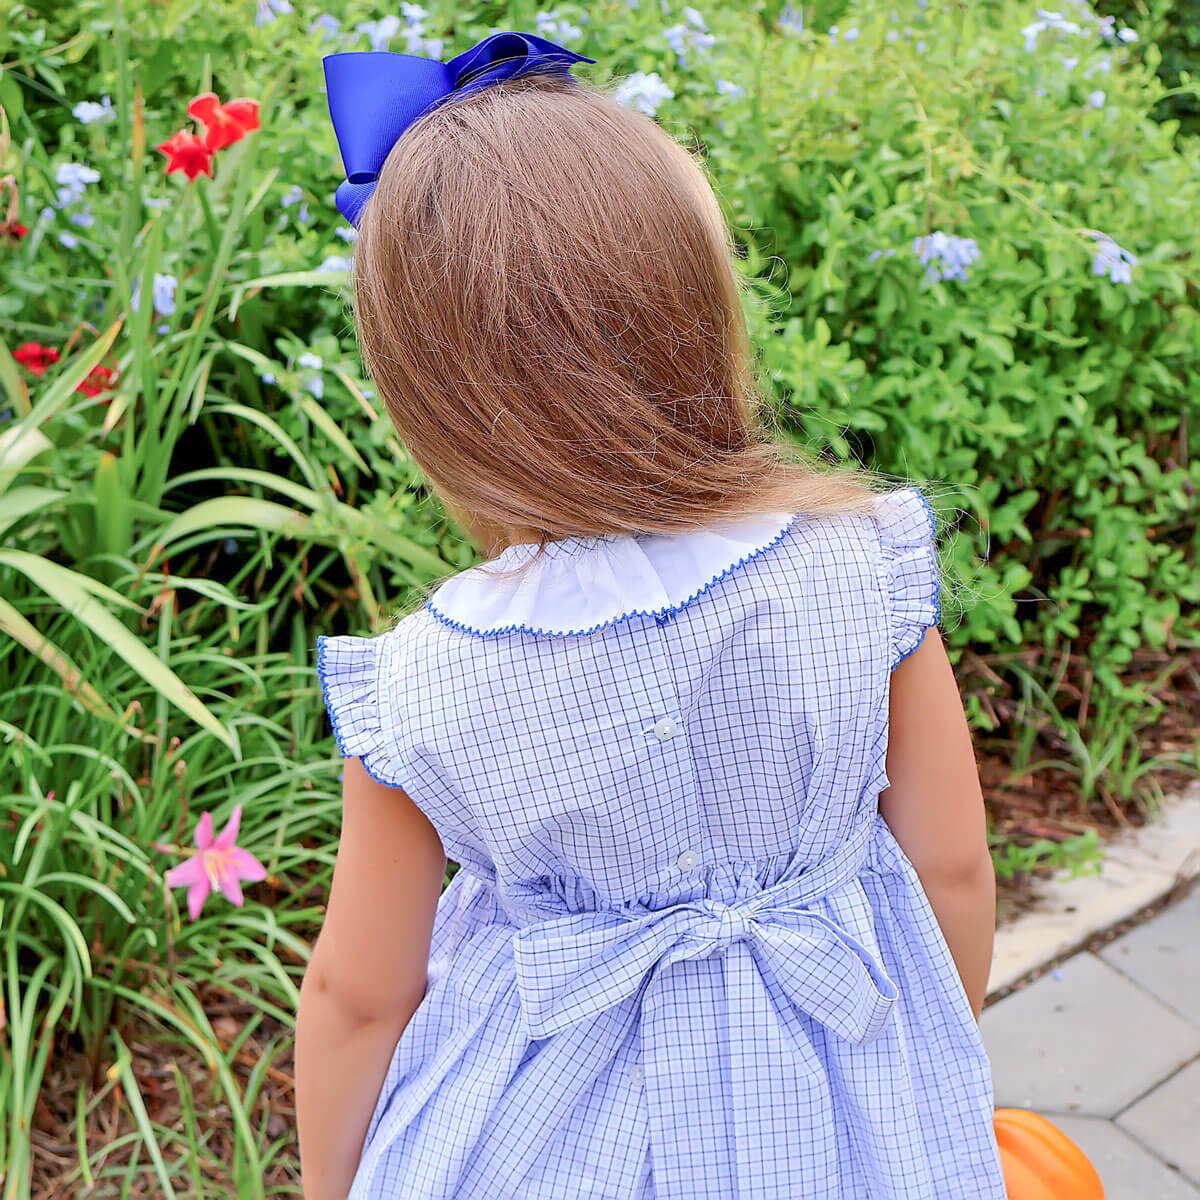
column 581, row 584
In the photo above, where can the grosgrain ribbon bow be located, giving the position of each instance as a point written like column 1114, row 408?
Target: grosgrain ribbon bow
column 375, row 95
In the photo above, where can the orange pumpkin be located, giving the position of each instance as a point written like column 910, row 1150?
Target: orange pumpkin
column 1040, row 1162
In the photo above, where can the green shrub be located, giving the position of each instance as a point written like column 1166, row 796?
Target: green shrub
column 1173, row 29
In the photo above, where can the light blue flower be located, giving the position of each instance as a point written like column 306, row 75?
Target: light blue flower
column 266, row 10
column 1047, row 20
column 73, row 180
column 891, row 36
column 835, row 33
column 69, row 240
column 347, row 233
column 1110, row 259
column 1127, row 35
column 422, row 46
column 164, row 294
column 643, row 92
column 1069, row 63
column 1096, row 99
column 557, row 29
column 310, row 360
column 791, row 20
column 335, row 262
column 88, row 112
column 695, row 17
column 268, row 378
column 316, row 385
column 414, row 14
column 47, row 214
column 945, row 256
column 1103, row 63
column 230, row 545
column 293, row 195
column 684, row 39
column 726, row 88
column 880, row 254
column 83, row 218
column 381, row 32
column 302, row 216
column 163, row 328
column 328, row 25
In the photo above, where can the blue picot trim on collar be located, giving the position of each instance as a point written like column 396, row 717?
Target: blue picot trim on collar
column 935, row 583
column 662, row 610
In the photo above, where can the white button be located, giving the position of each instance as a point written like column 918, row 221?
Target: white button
column 635, row 1073
column 665, row 728
column 687, row 860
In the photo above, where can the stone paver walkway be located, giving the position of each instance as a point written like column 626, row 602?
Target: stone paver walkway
column 1107, row 1046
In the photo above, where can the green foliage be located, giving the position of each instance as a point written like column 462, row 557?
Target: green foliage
column 1078, row 855
column 171, row 546
column 1173, row 28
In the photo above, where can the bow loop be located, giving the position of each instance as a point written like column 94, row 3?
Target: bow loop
column 576, row 967
column 374, row 96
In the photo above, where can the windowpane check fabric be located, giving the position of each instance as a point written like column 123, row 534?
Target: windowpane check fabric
column 683, row 955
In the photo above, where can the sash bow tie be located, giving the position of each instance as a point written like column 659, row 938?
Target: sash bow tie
column 375, row 95
column 575, row 967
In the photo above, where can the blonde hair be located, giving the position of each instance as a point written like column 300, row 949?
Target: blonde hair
column 546, row 299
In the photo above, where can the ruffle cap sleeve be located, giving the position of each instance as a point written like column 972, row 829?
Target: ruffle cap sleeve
column 908, row 570
column 349, row 672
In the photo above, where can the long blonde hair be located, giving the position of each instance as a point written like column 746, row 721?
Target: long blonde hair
column 546, row 299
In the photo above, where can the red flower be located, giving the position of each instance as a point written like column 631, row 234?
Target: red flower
column 35, row 358
column 99, row 379
column 187, row 153
column 224, row 123
column 15, row 232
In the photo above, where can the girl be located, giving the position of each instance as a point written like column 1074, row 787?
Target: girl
column 723, row 915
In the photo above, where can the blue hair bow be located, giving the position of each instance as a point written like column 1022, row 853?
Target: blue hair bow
column 374, row 96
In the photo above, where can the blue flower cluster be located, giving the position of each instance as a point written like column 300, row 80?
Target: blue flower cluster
column 1081, row 22
column 692, row 35
column 163, row 288
column 556, row 28
column 643, row 92
column 791, row 20
column 1111, row 260
column 945, row 256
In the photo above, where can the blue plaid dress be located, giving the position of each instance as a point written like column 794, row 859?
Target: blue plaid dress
column 683, row 956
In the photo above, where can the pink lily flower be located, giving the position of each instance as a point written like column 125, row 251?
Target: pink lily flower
column 219, row 863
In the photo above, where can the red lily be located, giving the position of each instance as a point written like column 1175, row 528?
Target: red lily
column 100, row 379
column 15, row 232
column 35, row 358
column 224, row 123
column 187, row 153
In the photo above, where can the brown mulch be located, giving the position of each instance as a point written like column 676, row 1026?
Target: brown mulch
column 178, row 1090
column 1024, row 807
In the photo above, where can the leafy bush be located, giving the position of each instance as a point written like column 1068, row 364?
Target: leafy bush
column 1173, row 29
column 194, row 486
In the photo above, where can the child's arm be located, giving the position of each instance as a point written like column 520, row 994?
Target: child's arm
column 934, row 808
column 367, row 974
